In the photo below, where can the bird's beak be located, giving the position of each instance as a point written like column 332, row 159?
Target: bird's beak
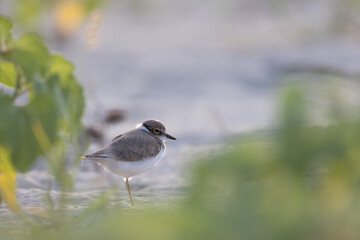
column 169, row 136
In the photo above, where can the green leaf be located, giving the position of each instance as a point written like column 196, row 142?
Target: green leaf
column 7, row 180
column 5, row 28
column 8, row 114
column 36, row 132
column 61, row 67
column 69, row 96
column 31, row 53
column 7, row 74
column 24, row 130
column 16, row 135
column 42, row 109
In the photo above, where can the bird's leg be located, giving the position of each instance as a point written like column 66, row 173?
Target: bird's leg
column 128, row 189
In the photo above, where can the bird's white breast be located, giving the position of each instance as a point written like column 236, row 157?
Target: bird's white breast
column 128, row 169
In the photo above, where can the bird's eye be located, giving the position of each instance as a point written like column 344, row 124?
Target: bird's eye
column 156, row 130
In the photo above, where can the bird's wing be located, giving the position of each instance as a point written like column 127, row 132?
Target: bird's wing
column 118, row 136
column 134, row 145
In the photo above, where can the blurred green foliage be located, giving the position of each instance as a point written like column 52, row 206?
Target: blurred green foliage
column 54, row 106
column 54, row 19
column 28, row 13
column 300, row 181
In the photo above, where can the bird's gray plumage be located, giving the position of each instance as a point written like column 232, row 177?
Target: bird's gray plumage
column 133, row 145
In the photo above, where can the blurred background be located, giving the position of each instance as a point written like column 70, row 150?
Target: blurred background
column 211, row 71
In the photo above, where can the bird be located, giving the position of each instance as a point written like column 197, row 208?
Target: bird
column 133, row 152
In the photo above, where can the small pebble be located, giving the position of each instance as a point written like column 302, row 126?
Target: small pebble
column 94, row 133
column 114, row 116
